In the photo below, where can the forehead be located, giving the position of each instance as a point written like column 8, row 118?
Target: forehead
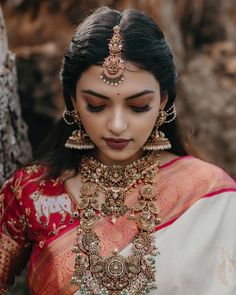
column 136, row 80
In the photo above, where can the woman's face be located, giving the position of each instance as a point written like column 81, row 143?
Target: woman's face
column 118, row 119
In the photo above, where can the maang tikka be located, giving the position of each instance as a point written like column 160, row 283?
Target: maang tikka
column 114, row 65
column 79, row 139
column 157, row 141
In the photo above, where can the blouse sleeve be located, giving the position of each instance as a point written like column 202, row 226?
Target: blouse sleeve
column 14, row 247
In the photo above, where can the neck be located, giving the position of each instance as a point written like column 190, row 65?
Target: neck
column 99, row 156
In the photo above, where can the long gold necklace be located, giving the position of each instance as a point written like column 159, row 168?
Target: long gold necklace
column 116, row 275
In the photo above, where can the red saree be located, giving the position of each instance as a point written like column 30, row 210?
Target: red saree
column 36, row 216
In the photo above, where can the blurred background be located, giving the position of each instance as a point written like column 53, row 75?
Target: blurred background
column 201, row 33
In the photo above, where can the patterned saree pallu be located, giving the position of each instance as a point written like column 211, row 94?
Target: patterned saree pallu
column 195, row 240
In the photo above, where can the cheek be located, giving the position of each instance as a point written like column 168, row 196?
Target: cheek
column 89, row 123
column 142, row 127
column 145, row 126
column 147, row 121
column 92, row 123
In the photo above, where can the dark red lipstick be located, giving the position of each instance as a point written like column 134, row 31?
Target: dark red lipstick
column 117, row 143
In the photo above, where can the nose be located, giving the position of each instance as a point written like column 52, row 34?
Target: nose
column 117, row 123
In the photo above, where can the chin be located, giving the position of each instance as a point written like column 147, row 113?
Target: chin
column 121, row 155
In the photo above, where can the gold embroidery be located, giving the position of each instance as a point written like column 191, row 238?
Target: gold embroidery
column 32, row 169
column 56, row 229
column 222, row 274
column 16, row 188
column 53, row 181
column 42, row 183
column 41, row 244
column 27, row 214
column 56, row 181
column 12, row 259
column 226, row 263
column 18, row 225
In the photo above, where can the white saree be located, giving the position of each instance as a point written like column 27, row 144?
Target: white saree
column 198, row 250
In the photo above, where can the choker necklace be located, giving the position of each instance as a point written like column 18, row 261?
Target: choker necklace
column 116, row 274
column 114, row 181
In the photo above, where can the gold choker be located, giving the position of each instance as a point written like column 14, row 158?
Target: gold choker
column 115, row 181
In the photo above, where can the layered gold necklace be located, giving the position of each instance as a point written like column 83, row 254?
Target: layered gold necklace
column 116, row 274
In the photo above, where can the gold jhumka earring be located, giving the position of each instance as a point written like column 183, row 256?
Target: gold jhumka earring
column 114, row 65
column 157, row 141
column 79, row 139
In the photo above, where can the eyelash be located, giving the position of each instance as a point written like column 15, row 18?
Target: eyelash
column 96, row 109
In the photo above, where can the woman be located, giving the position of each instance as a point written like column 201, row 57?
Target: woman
column 115, row 204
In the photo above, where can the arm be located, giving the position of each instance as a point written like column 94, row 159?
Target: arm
column 14, row 246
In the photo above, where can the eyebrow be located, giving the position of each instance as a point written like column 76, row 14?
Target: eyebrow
column 89, row 91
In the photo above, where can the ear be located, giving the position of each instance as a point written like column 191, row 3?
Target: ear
column 164, row 100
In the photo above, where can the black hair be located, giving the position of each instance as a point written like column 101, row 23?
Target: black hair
column 144, row 45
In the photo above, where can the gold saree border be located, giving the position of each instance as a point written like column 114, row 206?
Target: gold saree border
column 58, row 254
column 13, row 259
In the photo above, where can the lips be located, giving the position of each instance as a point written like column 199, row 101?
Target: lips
column 117, row 143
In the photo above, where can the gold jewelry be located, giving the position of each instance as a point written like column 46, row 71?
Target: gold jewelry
column 171, row 112
column 157, row 140
column 117, row 275
column 114, row 65
column 115, row 181
column 69, row 114
column 79, row 139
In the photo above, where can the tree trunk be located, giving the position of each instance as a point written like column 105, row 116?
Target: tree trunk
column 15, row 148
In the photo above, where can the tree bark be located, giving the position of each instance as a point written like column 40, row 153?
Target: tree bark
column 15, row 148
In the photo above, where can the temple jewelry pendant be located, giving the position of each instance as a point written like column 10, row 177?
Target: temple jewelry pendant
column 116, row 274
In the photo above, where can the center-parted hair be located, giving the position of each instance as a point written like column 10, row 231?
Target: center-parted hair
column 144, row 45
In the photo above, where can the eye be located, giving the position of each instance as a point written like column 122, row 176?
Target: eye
column 94, row 109
column 141, row 109
column 137, row 109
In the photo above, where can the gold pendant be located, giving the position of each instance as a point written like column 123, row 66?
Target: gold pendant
column 115, row 274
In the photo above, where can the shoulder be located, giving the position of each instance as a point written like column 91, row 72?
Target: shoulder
column 26, row 174
column 27, row 180
column 185, row 180
column 206, row 170
column 190, row 172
